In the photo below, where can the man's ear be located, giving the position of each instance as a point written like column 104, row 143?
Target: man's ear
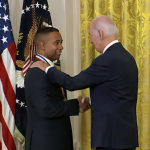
column 101, row 34
column 42, row 47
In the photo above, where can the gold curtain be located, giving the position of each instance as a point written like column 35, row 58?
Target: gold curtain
column 132, row 18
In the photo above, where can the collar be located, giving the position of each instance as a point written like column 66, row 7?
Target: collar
column 40, row 57
column 110, row 44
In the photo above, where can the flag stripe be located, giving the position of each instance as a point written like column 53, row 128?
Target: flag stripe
column 27, row 61
column 12, row 51
column 3, row 146
column 25, row 71
column 6, row 137
column 26, row 66
column 0, row 143
column 7, row 88
column 9, row 66
column 6, row 113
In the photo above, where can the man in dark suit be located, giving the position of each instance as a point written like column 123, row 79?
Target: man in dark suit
column 113, row 81
column 48, row 122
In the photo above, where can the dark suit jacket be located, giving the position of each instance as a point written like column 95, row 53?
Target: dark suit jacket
column 113, row 81
column 48, row 122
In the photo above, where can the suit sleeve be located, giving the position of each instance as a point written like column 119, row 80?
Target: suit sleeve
column 95, row 74
column 41, row 99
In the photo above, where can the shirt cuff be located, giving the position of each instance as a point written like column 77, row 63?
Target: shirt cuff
column 46, row 70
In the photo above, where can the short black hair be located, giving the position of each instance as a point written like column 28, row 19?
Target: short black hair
column 44, row 31
column 47, row 30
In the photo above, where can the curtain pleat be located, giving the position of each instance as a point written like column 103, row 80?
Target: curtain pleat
column 132, row 18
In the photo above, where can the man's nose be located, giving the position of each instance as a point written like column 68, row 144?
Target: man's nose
column 60, row 47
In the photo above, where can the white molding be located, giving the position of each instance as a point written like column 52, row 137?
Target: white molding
column 77, row 41
column 77, row 66
column 72, row 57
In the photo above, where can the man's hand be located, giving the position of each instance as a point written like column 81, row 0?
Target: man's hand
column 40, row 64
column 83, row 103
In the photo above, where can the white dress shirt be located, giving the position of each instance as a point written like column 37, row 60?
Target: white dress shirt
column 47, row 60
column 110, row 44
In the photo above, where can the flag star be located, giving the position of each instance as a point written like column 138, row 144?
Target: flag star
column 37, row 5
column 5, row 17
column 27, row 8
column 0, row 16
column 44, row 7
column 5, row 7
column 0, row 5
column 17, row 101
column 22, row 104
column 5, row 28
column 32, row 5
column 23, row 12
column 4, row 39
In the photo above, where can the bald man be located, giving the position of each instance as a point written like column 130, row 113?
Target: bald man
column 113, row 81
column 48, row 122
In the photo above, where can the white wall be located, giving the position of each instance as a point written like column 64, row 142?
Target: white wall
column 66, row 17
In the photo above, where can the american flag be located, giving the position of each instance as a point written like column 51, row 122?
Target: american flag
column 7, row 79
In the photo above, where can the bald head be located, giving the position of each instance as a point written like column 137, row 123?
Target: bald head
column 103, row 31
column 105, row 24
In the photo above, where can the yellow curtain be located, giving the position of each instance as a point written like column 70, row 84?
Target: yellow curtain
column 132, row 18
